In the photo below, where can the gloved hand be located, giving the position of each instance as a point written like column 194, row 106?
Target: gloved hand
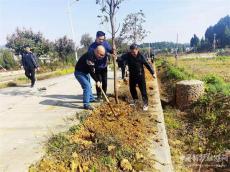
column 98, row 84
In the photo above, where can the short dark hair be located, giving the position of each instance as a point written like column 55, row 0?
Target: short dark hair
column 26, row 46
column 133, row 46
column 100, row 33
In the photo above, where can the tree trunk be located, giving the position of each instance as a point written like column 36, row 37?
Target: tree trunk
column 114, row 51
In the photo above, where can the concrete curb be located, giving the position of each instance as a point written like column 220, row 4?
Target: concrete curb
column 160, row 149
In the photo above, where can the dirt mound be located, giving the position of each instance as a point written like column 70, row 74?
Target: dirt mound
column 104, row 142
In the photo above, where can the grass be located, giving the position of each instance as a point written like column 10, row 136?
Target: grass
column 201, row 67
column 42, row 76
column 214, row 72
column 204, row 127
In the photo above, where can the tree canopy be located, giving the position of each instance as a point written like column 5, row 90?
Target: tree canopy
column 132, row 29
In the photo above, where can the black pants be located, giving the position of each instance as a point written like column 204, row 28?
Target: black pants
column 123, row 72
column 30, row 73
column 140, row 81
column 102, row 76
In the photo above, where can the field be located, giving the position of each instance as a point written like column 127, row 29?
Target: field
column 201, row 67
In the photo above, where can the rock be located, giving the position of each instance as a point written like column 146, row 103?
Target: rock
column 139, row 156
column 42, row 89
column 188, row 92
column 125, row 165
column 111, row 147
column 138, row 166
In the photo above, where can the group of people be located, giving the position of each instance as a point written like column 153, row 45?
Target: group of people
column 94, row 63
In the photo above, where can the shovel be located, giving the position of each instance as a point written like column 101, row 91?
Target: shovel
column 107, row 100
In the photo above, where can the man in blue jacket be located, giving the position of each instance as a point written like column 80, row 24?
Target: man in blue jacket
column 101, row 64
column 29, row 64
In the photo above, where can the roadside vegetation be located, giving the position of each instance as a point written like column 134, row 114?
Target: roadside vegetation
column 203, row 129
column 41, row 76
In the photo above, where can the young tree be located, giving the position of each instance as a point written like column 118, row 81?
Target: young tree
column 195, row 42
column 7, row 60
column 132, row 29
column 86, row 40
column 65, row 47
column 109, row 9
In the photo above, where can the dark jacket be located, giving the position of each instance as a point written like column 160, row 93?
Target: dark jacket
column 101, row 64
column 29, row 61
column 86, row 65
column 135, row 64
column 120, row 61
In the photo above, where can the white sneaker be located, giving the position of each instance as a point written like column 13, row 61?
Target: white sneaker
column 145, row 107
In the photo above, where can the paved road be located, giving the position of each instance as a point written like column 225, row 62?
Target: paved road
column 28, row 116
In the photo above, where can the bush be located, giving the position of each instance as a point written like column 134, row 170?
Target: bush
column 7, row 60
column 216, row 84
column 210, row 116
column 178, row 73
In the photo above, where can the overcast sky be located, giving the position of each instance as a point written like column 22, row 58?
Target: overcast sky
column 164, row 18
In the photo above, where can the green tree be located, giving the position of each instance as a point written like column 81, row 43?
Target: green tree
column 195, row 42
column 7, row 60
column 86, row 40
column 222, row 32
column 132, row 29
column 23, row 37
column 65, row 48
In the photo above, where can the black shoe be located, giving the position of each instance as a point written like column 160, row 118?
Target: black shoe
column 99, row 99
column 88, row 107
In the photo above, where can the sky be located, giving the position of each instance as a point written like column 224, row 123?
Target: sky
column 164, row 18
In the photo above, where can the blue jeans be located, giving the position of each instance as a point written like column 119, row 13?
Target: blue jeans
column 84, row 80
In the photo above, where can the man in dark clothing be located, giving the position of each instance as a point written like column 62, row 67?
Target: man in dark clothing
column 29, row 64
column 135, row 61
column 85, row 67
column 101, row 64
column 121, row 65
column 152, row 57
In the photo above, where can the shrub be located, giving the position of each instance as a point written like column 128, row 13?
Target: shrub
column 178, row 73
column 7, row 60
column 216, row 84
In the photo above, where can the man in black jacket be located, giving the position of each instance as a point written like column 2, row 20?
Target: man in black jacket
column 122, row 66
column 135, row 61
column 29, row 64
column 85, row 67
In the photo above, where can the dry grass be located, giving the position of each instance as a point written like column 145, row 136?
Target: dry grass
column 201, row 67
column 41, row 76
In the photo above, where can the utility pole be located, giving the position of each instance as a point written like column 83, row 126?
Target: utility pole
column 149, row 50
column 176, row 53
column 71, row 25
column 214, row 41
